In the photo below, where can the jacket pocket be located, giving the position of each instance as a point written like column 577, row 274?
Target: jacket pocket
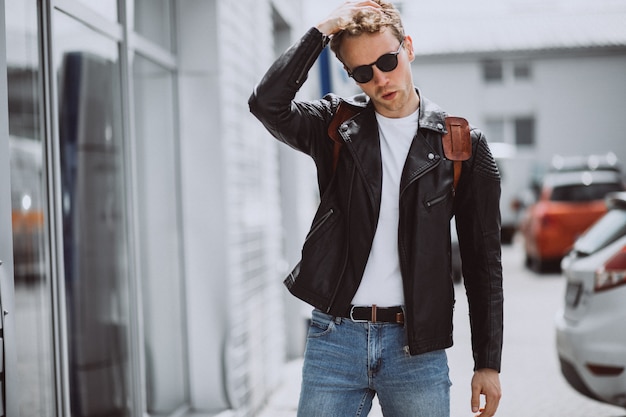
column 318, row 224
column 314, row 233
column 433, row 201
column 321, row 324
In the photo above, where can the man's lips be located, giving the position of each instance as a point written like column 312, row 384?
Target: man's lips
column 389, row 96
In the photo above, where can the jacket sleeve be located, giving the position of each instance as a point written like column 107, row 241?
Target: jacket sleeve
column 477, row 214
column 296, row 123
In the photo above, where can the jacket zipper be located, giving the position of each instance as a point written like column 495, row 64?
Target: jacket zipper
column 357, row 163
column 308, row 63
column 421, row 174
column 319, row 224
column 436, row 200
column 401, row 248
column 428, row 204
column 345, row 260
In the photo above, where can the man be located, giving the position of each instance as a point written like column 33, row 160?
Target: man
column 376, row 263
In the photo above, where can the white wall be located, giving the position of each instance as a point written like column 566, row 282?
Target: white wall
column 582, row 102
column 577, row 100
column 232, row 213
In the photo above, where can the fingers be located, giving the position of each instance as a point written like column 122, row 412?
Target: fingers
column 486, row 382
column 342, row 15
column 475, row 398
column 489, row 410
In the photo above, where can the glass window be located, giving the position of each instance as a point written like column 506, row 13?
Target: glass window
column 494, row 130
column 152, row 19
column 492, row 71
column 525, row 131
column 581, row 192
column 106, row 8
column 95, row 263
column 605, row 231
column 33, row 306
column 159, row 237
column 522, row 70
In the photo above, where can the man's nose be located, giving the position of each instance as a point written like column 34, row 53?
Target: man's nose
column 380, row 77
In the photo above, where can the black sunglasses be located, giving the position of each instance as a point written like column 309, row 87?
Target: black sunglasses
column 386, row 63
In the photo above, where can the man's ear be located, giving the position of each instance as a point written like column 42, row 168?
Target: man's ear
column 408, row 45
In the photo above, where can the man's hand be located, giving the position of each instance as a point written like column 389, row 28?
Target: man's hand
column 339, row 18
column 486, row 382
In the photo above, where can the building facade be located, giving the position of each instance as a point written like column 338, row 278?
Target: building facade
column 142, row 245
column 541, row 79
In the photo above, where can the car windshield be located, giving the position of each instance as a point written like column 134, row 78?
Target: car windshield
column 581, row 192
column 605, row 231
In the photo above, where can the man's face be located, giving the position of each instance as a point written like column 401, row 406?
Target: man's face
column 392, row 93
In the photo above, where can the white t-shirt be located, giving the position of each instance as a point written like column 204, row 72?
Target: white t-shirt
column 382, row 280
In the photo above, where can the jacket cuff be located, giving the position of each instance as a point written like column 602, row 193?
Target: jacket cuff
column 325, row 38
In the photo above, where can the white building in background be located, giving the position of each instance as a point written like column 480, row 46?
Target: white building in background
column 542, row 78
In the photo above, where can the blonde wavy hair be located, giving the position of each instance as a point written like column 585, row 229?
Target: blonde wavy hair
column 370, row 22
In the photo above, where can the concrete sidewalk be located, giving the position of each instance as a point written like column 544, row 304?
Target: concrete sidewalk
column 284, row 402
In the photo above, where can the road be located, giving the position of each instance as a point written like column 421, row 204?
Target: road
column 531, row 379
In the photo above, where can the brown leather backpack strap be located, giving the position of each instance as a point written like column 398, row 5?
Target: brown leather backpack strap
column 344, row 112
column 457, row 144
column 458, row 165
column 336, row 149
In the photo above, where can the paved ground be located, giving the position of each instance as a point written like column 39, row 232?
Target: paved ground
column 531, row 379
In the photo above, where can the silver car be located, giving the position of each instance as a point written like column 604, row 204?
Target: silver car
column 591, row 327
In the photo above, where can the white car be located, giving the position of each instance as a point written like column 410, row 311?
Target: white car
column 591, row 327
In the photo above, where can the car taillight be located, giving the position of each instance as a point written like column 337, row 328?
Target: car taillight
column 605, row 370
column 612, row 273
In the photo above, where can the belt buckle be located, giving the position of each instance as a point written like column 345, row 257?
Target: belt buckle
column 371, row 319
column 352, row 316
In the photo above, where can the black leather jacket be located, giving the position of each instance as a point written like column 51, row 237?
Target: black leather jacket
column 337, row 247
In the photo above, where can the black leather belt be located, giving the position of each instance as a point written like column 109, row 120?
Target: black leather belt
column 376, row 314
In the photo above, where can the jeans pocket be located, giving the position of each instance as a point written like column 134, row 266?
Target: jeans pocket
column 321, row 324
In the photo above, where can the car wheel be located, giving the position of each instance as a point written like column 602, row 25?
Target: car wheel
column 527, row 261
column 537, row 265
column 534, row 264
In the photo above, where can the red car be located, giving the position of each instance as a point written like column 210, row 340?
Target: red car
column 568, row 204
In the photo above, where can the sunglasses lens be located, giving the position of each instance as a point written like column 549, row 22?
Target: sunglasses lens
column 363, row 74
column 387, row 62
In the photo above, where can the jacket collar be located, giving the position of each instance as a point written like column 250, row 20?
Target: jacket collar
column 422, row 155
column 431, row 116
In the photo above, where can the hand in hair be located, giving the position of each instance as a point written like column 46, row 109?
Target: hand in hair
column 342, row 15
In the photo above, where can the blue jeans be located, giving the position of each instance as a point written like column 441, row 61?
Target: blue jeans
column 346, row 363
